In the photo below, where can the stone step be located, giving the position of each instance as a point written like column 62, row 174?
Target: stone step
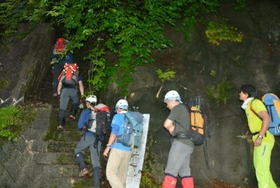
column 62, row 171
column 54, row 158
column 64, row 135
column 62, row 182
column 62, row 146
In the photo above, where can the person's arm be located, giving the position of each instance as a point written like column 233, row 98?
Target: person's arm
column 112, row 138
column 81, row 88
column 82, row 120
column 265, row 124
column 59, row 86
column 168, row 125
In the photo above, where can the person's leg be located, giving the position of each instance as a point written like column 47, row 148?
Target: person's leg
column 112, row 168
column 75, row 103
column 185, row 171
column 175, row 161
column 123, row 168
column 64, row 99
column 84, row 142
column 95, row 161
column 262, row 158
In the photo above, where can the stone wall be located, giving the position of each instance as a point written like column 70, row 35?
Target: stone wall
column 24, row 63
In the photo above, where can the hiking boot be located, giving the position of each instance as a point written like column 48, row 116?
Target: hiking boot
column 83, row 172
column 59, row 127
column 72, row 117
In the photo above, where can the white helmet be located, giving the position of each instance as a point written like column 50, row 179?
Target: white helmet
column 91, row 99
column 172, row 95
column 123, row 104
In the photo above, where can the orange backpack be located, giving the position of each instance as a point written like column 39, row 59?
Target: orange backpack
column 198, row 121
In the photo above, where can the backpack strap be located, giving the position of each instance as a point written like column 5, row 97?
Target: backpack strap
column 251, row 108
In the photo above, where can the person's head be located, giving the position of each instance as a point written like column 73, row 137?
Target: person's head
column 60, row 44
column 121, row 105
column 246, row 91
column 91, row 101
column 172, row 98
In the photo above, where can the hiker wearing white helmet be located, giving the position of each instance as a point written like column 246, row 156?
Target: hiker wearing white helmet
column 88, row 118
column 178, row 163
column 118, row 161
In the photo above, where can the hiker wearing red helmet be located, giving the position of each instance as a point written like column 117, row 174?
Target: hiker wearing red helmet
column 59, row 58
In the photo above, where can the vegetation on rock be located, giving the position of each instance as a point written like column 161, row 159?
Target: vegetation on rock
column 127, row 30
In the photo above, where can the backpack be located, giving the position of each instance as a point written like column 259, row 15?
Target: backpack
column 198, row 121
column 272, row 103
column 103, row 120
column 69, row 75
column 133, row 129
column 100, row 124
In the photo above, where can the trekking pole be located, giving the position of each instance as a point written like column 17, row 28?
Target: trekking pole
column 206, row 134
column 205, row 151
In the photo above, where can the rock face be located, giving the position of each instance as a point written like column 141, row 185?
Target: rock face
column 200, row 65
column 255, row 60
column 24, row 63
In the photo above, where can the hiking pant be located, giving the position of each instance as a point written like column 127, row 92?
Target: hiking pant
column 85, row 142
column 178, row 160
column 261, row 160
column 66, row 95
column 56, row 70
column 117, row 166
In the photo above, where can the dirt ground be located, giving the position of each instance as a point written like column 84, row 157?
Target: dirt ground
column 221, row 184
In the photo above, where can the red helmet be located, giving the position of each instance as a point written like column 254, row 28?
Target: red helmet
column 60, row 44
column 60, row 41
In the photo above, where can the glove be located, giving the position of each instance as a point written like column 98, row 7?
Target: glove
column 58, row 97
column 84, row 128
column 83, row 97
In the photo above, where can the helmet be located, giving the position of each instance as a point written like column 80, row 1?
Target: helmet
column 91, row 99
column 60, row 44
column 60, row 41
column 172, row 95
column 123, row 104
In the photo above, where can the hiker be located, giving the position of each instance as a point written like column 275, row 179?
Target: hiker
column 66, row 93
column 263, row 140
column 59, row 58
column 88, row 139
column 118, row 161
column 181, row 148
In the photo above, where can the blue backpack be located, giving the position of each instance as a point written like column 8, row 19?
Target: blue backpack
column 272, row 104
column 133, row 129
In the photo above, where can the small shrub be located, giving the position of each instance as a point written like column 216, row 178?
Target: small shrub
column 164, row 76
column 13, row 120
column 218, row 32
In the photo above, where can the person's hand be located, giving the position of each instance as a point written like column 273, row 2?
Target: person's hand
column 257, row 142
column 84, row 128
column 58, row 97
column 106, row 151
column 83, row 97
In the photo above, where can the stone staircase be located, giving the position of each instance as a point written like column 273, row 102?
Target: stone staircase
column 44, row 157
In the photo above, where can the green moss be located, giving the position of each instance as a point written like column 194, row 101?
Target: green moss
column 13, row 119
column 221, row 92
column 3, row 84
column 147, row 179
column 218, row 32
column 164, row 76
